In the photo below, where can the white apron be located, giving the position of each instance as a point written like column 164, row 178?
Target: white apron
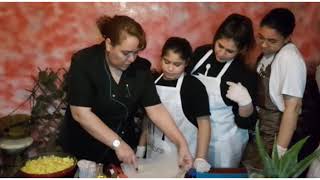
column 157, row 142
column 227, row 140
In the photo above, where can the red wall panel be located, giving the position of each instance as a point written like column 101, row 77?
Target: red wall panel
column 44, row 35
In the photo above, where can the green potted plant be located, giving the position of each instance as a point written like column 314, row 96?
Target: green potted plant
column 286, row 166
column 48, row 104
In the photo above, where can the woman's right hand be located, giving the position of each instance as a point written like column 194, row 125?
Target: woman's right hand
column 185, row 157
column 125, row 154
column 238, row 93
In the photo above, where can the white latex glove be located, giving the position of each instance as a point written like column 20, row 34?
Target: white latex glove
column 140, row 151
column 281, row 150
column 201, row 165
column 238, row 94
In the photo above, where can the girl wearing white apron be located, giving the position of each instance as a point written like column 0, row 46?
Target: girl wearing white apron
column 227, row 139
column 170, row 97
column 175, row 55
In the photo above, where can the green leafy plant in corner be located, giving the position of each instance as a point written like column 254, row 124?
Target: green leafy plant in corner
column 286, row 166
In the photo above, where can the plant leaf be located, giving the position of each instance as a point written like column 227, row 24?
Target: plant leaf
column 275, row 157
column 303, row 164
column 290, row 158
column 266, row 160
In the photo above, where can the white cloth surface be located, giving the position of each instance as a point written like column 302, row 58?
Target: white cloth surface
column 161, row 166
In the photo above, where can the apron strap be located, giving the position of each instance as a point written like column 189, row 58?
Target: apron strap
column 224, row 69
column 179, row 83
column 273, row 58
column 202, row 60
column 205, row 57
column 158, row 78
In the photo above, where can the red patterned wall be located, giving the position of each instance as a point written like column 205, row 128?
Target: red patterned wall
column 44, row 35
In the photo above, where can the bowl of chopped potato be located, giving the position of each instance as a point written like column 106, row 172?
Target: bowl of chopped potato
column 49, row 165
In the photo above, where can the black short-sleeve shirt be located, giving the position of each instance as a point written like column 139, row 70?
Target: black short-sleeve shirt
column 88, row 79
column 90, row 84
column 237, row 72
column 194, row 97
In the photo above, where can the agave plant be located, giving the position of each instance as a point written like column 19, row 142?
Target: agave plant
column 287, row 165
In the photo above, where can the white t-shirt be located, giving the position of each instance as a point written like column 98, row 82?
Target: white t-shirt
column 288, row 74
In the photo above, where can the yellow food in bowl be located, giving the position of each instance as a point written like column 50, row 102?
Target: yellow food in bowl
column 47, row 164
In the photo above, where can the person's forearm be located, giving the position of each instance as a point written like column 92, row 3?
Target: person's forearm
column 289, row 120
column 287, row 128
column 93, row 125
column 203, row 137
column 246, row 111
column 163, row 120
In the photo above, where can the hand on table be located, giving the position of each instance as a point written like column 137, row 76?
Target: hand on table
column 126, row 154
column 185, row 158
column 201, row 165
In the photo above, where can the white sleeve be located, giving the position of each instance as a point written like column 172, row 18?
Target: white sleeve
column 288, row 75
column 292, row 73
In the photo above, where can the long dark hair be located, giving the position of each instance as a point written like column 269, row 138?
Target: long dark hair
column 238, row 28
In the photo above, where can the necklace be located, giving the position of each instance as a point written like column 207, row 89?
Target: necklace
column 115, row 73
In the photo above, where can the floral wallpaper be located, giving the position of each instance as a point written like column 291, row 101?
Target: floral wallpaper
column 40, row 35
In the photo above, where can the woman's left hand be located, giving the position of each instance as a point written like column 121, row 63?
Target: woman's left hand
column 201, row 165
